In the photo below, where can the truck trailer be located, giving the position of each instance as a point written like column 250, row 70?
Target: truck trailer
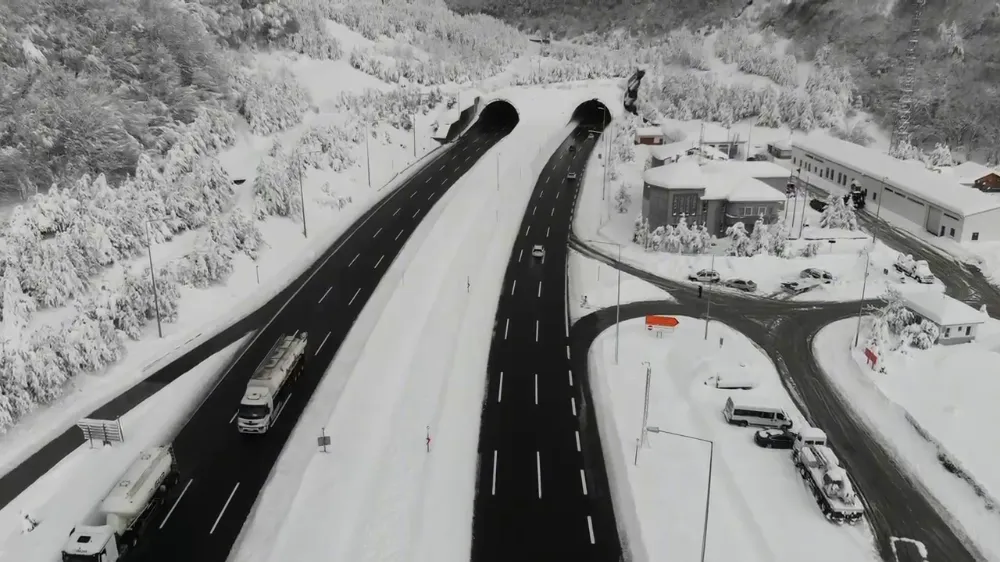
column 126, row 510
column 268, row 388
column 821, row 471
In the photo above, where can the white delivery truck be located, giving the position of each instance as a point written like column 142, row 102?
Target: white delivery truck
column 268, row 389
column 917, row 269
column 830, row 485
column 126, row 510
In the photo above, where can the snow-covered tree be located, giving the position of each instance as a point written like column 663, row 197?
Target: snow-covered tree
column 656, row 239
column 838, row 214
column 270, row 101
column 906, row 151
column 640, row 232
column 622, row 199
column 276, row 189
column 940, row 156
column 921, row 335
column 17, row 310
column 809, row 250
column 739, row 242
column 211, row 262
column 760, row 238
column 777, row 240
column 238, row 232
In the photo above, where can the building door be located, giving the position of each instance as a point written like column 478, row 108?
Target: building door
column 934, row 220
column 942, row 231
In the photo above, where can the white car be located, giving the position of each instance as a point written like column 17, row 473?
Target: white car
column 571, row 176
column 705, row 276
column 538, row 251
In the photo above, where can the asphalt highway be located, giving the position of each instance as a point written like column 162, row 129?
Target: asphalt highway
column 542, row 490
column 897, row 506
column 222, row 471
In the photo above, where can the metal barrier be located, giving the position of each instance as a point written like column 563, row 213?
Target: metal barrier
column 106, row 431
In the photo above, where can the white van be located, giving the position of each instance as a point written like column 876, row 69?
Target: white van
column 761, row 416
column 732, row 382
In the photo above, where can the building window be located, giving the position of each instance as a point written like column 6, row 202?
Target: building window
column 951, row 232
column 975, row 236
column 968, row 330
column 761, row 211
column 747, row 211
column 947, row 332
column 874, row 196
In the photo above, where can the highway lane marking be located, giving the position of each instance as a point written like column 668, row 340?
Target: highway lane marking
column 553, row 212
column 538, row 464
column 572, row 402
column 177, row 501
column 355, row 295
column 280, row 409
column 567, row 352
column 382, row 257
column 536, row 330
column 536, row 389
column 324, row 341
column 377, row 232
column 512, row 287
column 412, row 195
column 583, row 481
column 398, row 235
column 540, row 193
column 416, row 213
column 219, row 518
column 539, row 289
column 354, row 260
column 546, row 232
column 527, row 230
column 234, row 416
column 533, row 210
column 325, row 294
column 500, row 389
column 506, row 329
column 295, row 333
column 557, row 195
column 397, row 211
column 577, row 441
column 590, row 527
column 494, row 491
column 441, row 169
column 431, row 196
column 547, row 178
column 520, row 255
column 570, row 377
column 468, row 157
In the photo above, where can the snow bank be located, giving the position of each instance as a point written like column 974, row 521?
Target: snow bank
column 369, row 498
column 69, row 493
column 599, row 284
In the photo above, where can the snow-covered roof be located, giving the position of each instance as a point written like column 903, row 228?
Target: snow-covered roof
column 715, row 133
column 671, row 150
column 759, row 170
column 737, row 188
column 649, row 132
column 812, row 434
column 971, row 171
column 717, row 181
column 781, row 145
column 942, row 190
column 942, row 309
column 685, row 174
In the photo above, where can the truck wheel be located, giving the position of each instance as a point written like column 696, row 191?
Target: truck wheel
column 743, row 423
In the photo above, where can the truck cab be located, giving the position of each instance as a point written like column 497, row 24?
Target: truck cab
column 809, row 436
column 91, row 544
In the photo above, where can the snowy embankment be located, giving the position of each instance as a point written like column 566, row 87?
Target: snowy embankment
column 759, row 508
column 378, row 494
column 598, row 283
column 930, row 404
column 70, row 492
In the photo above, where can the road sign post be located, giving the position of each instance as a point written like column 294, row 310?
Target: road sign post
column 323, row 440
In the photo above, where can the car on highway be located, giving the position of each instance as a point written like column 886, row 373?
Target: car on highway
column 817, row 273
column 800, row 286
column 538, row 251
column 741, row 284
column 705, row 276
column 572, row 148
column 775, row 438
column 571, row 176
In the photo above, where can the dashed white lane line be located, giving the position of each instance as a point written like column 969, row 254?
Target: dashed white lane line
column 536, row 389
column 494, row 490
column 547, row 178
column 324, row 295
column 377, row 232
column 431, row 196
column 520, row 255
column 416, row 213
column 219, row 518
column 546, row 232
column 382, row 257
column 527, row 230
column 572, row 402
column 590, row 527
column 397, row 211
column 553, row 212
column 534, row 210
column 540, row 193
column 567, row 352
column 354, row 260
column 583, row 481
column 557, row 195
column 539, row 289
column 398, row 235
column 506, row 329
column 236, row 413
column 324, row 341
column 536, row 330
column 355, row 295
column 512, row 287
column 570, row 377
column 577, row 441
column 538, row 464
column 500, row 389
column 177, row 501
column 414, row 194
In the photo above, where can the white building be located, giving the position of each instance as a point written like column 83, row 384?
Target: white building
column 934, row 201
column 957, row 321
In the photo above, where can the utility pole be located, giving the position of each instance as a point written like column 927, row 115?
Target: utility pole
column 368, row 157
column 302, row 201
column 861, row 305
column 708, row 308
column 498, row 171
column 152, row 276
column 414, row 136
column 643, row 438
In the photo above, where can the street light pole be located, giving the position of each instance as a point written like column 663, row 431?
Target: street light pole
column 708, row 309
column 618, row 299
column 861, row 305
column 708, row 488
column 644, row 439
column 152, row 276
column 368, row 156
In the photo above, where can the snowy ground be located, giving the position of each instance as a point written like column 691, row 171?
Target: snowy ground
column 379, row 495
column 285, row 252
column 599, row 284
column 760, row 508
column 68, row 494
column 845, row 257
column 948, row 392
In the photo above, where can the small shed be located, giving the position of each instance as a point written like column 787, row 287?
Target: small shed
column 957, row 321
column 649, row 135
column 781, row 150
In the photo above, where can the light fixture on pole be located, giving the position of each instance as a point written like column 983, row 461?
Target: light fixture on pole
column 618, row 300
column 708, row 488
column 152, row 275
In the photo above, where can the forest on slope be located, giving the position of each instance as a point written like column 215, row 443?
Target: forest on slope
column 958, row 54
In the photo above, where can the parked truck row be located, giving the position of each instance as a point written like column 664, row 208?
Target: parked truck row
column 126, row 511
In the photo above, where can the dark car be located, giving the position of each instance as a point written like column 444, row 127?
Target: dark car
column 572, row 148
column 774, row 438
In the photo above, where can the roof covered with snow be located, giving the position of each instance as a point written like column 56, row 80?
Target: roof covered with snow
column 685, row 174
column 718, row 181
column 942, row 190
column 759, row 170
column 971, row 171
column 738, row 188
column 649, row 132
column 671, row 150
column 942, row 309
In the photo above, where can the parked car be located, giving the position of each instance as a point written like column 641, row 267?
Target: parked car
column 538, row 251
column 571, row 176
column 572, row 148
column 762, row 157
column 774, row 438
column 741, row 284
column 817, row 273
column 799, row 287
column 705, row 276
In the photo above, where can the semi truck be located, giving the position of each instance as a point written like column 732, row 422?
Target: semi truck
column 268, row 388
column 830, row 485
column 126, row 510
column 917, row 269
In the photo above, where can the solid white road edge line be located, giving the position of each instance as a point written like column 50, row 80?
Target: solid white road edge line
column 506, row 329
column 572, row 402
column 583, row 481
column 355, row 295
column 325, row 294
column 536, row 389
column 500, row 389
column 177, row 501
column 494, row 490
column 538, row 463
column 382, row 257
column 324, row 341
column 219, row 518
column 577, row 441
column 281, row 409
column 590, row 527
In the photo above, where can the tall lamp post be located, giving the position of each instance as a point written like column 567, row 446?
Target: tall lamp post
column 302, row 197
column 708, row 489
column 708, row 309
column 618, row 302
column 861, row 305
column 643, row 438
column 152, row 274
